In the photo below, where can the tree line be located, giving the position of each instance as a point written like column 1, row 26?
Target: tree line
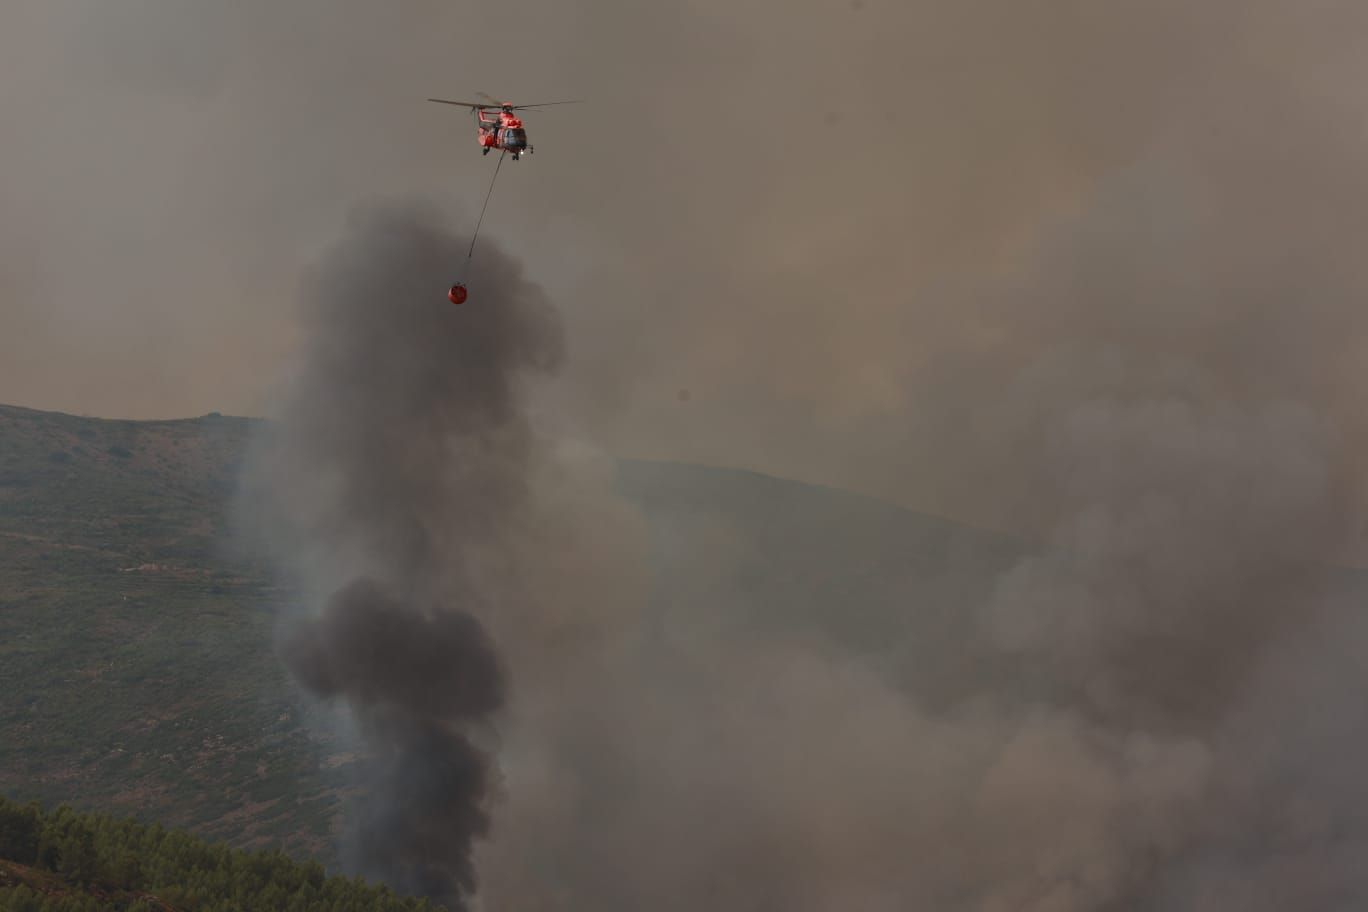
column 101, row 862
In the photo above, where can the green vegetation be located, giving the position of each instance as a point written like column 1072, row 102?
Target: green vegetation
column 136, row 668
column 69, row 862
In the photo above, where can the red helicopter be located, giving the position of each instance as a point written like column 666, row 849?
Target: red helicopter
column 498, row 127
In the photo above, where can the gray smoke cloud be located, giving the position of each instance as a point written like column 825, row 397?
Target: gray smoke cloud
column 1088, row 272
column 402, row 452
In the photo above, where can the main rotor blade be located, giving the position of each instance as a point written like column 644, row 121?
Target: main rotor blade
column 546, row 104
column 463, row 104
column 489, row 98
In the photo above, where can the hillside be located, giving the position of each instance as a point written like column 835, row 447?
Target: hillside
column 135, row 669
column 136, row 674
column 61, row 861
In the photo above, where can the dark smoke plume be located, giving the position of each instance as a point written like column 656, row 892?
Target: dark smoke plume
column 400, row 455
column 378, row 651
column 413, row 679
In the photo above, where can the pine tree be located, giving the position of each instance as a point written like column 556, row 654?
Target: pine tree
column 127, row 860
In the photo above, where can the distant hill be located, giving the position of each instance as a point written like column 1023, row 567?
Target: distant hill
column 136, row 674
column 890, row 585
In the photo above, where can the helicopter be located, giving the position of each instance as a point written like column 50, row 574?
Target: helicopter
column 497, row 126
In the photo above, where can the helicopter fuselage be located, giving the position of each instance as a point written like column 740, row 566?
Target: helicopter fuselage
column 504, row 132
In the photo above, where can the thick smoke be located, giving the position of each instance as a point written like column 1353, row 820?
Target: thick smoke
column 414, row 679
column 401, row 456
column 1155, row 376
column 377, row 651
column 1152, row 706
column 1092, row 272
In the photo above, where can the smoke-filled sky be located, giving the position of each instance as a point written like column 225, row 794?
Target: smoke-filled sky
column 805, row 214
column 1091, row 270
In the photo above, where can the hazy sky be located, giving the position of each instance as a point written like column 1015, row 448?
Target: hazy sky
column 1090, row 269
column 844, row 228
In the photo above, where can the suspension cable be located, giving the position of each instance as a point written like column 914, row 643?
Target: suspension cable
column 480, row 220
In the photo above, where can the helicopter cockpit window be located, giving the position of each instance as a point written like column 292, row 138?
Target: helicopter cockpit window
column 514, row 136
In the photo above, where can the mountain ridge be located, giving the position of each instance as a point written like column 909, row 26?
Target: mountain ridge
column 136, row 668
